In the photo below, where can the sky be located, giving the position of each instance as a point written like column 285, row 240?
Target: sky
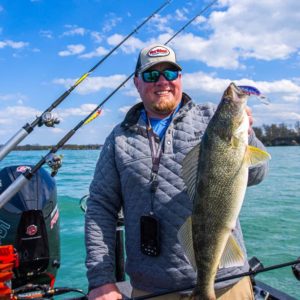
column 46, row 45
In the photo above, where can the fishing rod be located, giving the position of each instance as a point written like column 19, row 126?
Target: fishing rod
column 54, row 161
column 46, row 117
column 260, row 269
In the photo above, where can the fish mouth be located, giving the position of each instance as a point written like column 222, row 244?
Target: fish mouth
column 235, row 94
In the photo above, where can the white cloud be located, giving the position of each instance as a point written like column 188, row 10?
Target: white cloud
column 130, row 46
column 284, row 96
column 100, row 51
column 9, row 114
column 125, row 109
column 72, row 50
column 96, row 36
column 47, row 34
column 12, row 97
column 209, row 83
column 161, row 23
column 93, row 84
column 245, row 29
column 111, row 22
column 275, row 113
column 82, row 110
column 13, row 44
column 180, row 14
column 74, row 30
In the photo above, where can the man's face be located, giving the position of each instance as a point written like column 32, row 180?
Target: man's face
column 162, row 97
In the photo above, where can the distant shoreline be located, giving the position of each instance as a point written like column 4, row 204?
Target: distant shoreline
column 275, row 142
column 65, row 147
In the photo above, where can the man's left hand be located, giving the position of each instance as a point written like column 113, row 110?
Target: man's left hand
column 250, row 116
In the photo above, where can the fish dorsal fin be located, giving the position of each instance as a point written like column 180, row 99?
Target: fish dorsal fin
column 185, row 238
column 255, row 156
column 233, row 255
column 190, row 170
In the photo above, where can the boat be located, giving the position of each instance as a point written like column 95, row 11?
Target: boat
column 30, row 244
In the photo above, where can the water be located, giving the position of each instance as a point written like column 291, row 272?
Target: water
column 270, row 215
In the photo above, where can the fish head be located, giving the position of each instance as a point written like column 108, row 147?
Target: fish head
column 231, row 114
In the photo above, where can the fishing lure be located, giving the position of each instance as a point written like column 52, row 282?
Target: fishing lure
column 253, row 91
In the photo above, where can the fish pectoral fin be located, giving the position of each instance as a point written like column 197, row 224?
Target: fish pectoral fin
column 233, row 256
column 190, row 170
column 185, row 238
column 255, row 155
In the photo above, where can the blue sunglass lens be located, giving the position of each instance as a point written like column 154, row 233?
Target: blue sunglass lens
column 153, row 76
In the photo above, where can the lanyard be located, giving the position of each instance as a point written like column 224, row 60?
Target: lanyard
column 156, row 153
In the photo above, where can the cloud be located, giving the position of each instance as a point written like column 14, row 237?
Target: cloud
column 276, row 113
column 93, row 84
column 96, row 36
column 180, row 14
column 13, row 44
column 72, row 50
column 161, row 23
column 82, row 110
column 124, row 109
column 111, row 22
column 284, row 96
column 100, row 51
column 209, row 83
column 9, row 114
column 242, row 30
column 13, row 97
column 47, row 34
column 130, row 46
column 74, row 30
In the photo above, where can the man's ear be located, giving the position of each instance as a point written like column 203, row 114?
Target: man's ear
column 136, row 82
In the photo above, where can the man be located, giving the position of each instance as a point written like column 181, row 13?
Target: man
column 139, row 169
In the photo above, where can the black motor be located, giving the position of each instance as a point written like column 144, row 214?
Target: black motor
column 30, row 222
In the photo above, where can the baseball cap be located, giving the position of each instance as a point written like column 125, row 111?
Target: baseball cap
column 155, row 54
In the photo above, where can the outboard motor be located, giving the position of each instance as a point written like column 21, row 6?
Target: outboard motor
column 30, row 222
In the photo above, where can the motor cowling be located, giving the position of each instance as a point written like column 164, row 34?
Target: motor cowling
column 30, row 222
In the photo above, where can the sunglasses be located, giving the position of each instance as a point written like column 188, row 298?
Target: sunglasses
column 153, row 76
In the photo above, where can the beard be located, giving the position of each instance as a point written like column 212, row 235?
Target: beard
column 164, row 106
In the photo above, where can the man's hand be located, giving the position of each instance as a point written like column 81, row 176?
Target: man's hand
column 107, row 291
column 250, row 116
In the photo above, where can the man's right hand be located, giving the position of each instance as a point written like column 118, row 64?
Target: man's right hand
column 107, row 291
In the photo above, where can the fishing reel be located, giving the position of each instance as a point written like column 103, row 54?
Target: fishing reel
column 48, row 119
column 54, row 162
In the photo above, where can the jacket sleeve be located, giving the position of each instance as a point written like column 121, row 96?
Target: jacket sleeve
column 101, row 216
column 258, row 172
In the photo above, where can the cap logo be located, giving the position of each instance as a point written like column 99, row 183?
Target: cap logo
column 158, row 51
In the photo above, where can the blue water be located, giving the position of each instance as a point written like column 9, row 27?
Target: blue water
column 270, row 216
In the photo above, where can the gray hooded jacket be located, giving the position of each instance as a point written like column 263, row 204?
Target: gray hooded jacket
column 122, row 178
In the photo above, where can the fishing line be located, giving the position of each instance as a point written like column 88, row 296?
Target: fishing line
column 249, row 273
column 21, row 180
column 46, row 117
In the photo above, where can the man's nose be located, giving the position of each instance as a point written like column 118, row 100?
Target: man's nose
column 162, row 79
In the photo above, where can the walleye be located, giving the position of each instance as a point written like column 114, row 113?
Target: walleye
column 216, row 174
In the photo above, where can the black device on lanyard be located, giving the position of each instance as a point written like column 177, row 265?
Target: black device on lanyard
column 150, row 244
column 149, row 224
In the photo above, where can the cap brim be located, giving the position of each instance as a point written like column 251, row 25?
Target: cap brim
column 148, row 66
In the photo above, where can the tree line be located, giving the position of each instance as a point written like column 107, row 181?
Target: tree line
column 271, row 135
column 278, row 134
